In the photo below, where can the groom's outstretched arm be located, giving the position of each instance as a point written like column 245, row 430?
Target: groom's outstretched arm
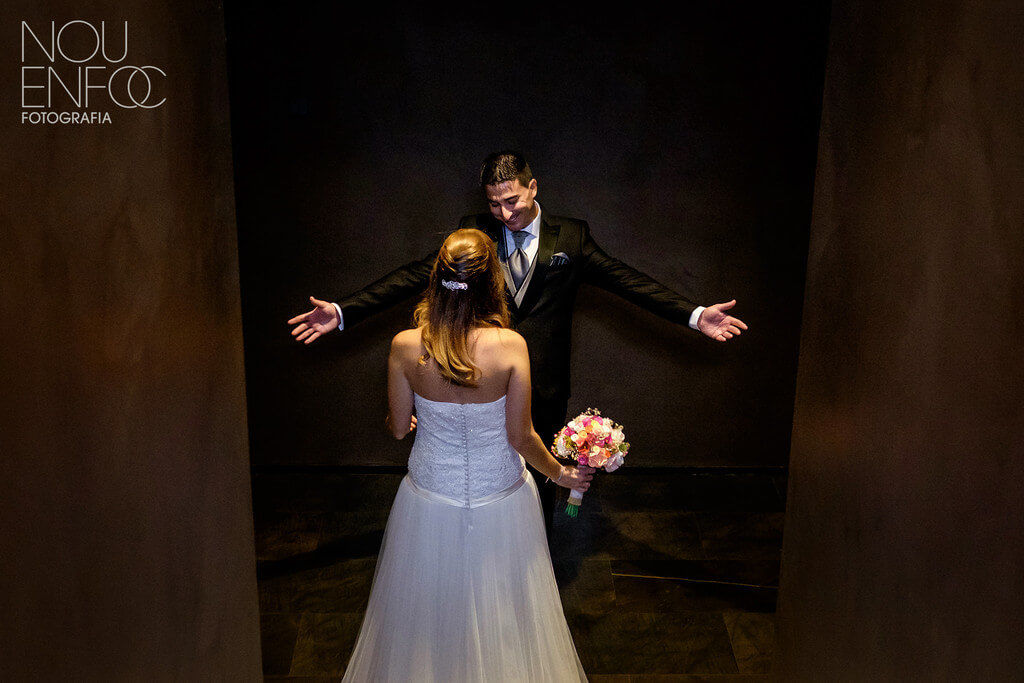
column 388, row 291
column 619, row 278
column 629, row 283
column 393, row 288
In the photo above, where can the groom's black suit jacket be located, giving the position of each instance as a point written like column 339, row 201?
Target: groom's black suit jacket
column 545, row 317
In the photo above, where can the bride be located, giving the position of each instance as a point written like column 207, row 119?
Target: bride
column 464, row 589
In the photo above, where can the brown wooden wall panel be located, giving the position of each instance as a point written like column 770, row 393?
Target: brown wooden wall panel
column 126, row 549
column 903, row 546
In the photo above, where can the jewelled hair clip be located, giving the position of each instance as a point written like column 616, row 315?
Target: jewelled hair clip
column 451, row 284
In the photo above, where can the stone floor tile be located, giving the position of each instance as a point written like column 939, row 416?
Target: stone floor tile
column 341, row 523
column 781, row 482
column 753, row 640
column 287, row 535
column 277, row 641
column 741, row 535
column 626, row 534
column 670, row 595
column 698, row 678
column 585, row 586
column 753, row 572
column 324, row 644
column 338, row 587
column 628, row 643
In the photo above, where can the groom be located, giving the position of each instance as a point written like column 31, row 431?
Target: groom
column 544, row 259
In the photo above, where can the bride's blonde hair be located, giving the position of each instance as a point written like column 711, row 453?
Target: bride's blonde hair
column 466, row 290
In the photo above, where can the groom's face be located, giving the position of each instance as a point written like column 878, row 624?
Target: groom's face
column 513, row 204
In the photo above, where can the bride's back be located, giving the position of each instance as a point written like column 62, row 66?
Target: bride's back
column 490, row 349
column 461, row 451
column 469, row 393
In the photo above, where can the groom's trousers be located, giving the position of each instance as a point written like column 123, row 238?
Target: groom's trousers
column 548, row 418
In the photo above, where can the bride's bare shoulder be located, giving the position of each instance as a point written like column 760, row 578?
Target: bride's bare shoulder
column 501, row 340
column 407, row 341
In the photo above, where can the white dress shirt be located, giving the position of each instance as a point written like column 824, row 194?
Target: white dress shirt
column 530, row 245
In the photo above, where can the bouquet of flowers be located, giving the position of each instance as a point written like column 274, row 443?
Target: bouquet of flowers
column 593, row 441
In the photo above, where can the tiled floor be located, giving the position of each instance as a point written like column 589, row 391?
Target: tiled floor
column 667, row 575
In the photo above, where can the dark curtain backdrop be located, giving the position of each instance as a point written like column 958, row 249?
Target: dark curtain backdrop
column 685, row 136
column 904, row 541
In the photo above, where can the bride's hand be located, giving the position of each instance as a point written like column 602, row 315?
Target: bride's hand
column 387, row 422
column 575, row 477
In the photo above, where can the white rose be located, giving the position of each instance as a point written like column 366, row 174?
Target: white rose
column 614, row 463
column 617, row 437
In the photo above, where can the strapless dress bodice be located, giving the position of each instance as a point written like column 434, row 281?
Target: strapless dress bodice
column 461, row 453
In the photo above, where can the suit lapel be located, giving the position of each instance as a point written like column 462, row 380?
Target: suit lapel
column 548, row 237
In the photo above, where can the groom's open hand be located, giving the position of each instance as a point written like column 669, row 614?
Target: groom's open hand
column 714, row 322
column 320, row 320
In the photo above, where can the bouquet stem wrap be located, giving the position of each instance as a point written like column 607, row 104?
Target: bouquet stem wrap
column 572, row 505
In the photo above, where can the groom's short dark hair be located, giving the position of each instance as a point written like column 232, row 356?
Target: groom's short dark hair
column 502, row 167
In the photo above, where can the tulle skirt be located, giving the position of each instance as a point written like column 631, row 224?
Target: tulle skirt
column 464, row 594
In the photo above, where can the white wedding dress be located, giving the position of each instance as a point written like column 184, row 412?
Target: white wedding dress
column 464, row 589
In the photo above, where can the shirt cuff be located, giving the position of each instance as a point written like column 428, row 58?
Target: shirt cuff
column 341, row 318
column 694, row 317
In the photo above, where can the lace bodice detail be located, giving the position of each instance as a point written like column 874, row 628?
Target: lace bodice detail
column 462, row 451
